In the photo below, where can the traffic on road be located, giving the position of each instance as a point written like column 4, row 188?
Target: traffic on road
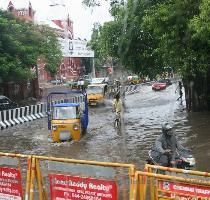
column 143, row 115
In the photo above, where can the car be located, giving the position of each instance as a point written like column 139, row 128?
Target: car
column 158, row 86
column 98, row 80
column 6, row 103
column 56, row 82
column 167, row 81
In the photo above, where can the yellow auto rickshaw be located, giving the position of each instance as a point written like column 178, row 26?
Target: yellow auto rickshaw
column 96, row 93
column 67, row 121
column 133, row 80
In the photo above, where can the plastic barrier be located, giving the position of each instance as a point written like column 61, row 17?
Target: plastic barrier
column 2, row 123
column 60, row 178
column 15, row 116
column 38, row 177
column 179, row 185
column 5, row 118
column 131, row 89
column 14, row 168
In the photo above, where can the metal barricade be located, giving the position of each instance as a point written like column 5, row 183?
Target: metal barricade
column 15, row 174
column 61, row 178
column 156, row 184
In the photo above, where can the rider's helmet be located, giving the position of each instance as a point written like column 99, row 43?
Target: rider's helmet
column 167, row 129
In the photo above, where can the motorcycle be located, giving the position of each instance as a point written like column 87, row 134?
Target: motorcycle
column 183, row 159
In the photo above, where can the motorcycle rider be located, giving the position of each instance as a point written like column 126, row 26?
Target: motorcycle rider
column 165, row 148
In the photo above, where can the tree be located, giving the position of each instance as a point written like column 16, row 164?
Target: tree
column 94, row 3
column 125, row 40
column 91, row 3
column 147, row 36
column 174, row 22
column 50, row 51
column 95, row 45
column 86, row 62
column 21, row 43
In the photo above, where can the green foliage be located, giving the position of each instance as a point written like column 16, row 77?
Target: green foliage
column 91, row 3
column 200, row 31
column 126, row 40
column 94, row 3
column 87, row 63
column 146, row 36
column 21, row 44
column 49, row 49
column 95, row 45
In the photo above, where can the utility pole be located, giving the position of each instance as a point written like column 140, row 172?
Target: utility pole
column 35, row 83
column 94, row 71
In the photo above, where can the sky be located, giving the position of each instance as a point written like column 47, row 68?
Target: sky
column 82, row 17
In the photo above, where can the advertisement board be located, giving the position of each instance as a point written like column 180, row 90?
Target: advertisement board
column 10, row 184
column 74, row 188
column 185, row 191
column 75, row 48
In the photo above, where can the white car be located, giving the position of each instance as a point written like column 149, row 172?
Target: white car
column 6, row 103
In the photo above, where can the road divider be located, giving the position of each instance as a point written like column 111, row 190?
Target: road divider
column 20, row 115
column 12, row 117
column 131, row 89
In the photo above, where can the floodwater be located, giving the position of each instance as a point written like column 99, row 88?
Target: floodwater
column 144, row 113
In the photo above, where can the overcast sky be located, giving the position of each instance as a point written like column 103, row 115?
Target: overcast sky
column 82, row 17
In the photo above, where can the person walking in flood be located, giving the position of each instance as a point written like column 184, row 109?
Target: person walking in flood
column 179, row 89
column 117, row 107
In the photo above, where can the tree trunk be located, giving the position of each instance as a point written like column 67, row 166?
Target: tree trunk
column 35, row 87
column 197, row 92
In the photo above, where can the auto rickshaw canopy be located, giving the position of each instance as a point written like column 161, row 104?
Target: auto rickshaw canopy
column 66, row 105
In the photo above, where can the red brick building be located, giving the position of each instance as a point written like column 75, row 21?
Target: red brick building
column 57, row 19
column 21, row 9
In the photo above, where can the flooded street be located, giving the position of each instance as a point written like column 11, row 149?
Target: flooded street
column 144, row 113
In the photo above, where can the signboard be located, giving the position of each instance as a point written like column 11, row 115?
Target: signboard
column 187, row 191
column 75, row 188
column 10, row 184
column 75, row 48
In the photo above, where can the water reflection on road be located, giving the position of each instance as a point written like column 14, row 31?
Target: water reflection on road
column 143, row 116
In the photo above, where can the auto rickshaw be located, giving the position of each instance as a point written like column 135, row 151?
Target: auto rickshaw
column 96, row 93
column 67, row 120
column 133, row 80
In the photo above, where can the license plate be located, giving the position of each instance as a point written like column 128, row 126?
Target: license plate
column 94, row 104
column 158, row 88
column 65, row 135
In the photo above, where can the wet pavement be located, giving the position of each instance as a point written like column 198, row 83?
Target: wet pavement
column 144, row 113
